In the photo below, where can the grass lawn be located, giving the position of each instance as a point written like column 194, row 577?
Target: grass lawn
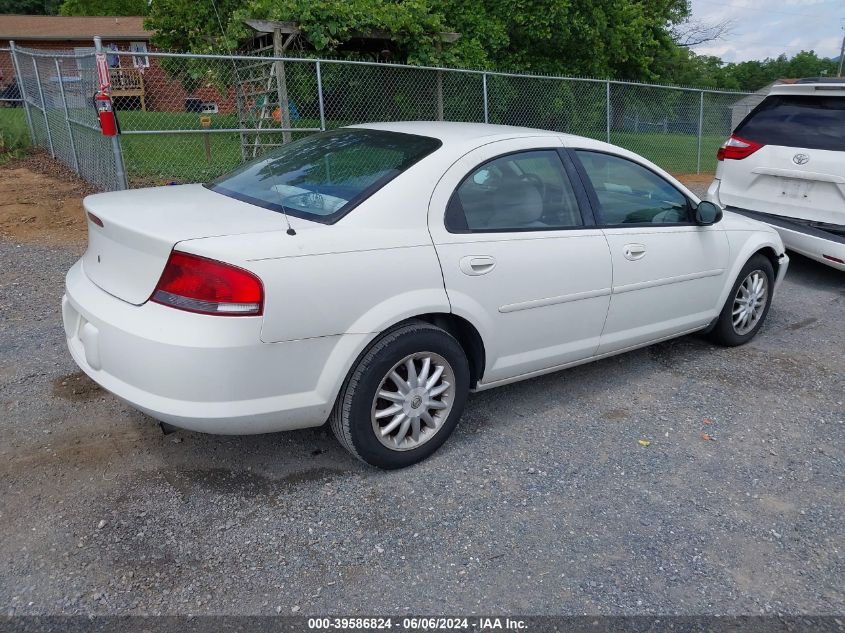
column 185, row 158
column 161, row 158
column 14, row 133
column 676, row 153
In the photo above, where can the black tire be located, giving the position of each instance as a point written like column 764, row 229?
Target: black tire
column 352, row 417
column 724, row 333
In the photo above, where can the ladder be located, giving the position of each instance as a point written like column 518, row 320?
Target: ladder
column 260, row 87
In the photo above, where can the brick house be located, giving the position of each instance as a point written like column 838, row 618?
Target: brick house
column 138, row 81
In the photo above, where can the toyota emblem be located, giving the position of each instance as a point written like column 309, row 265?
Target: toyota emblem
column 800, row 159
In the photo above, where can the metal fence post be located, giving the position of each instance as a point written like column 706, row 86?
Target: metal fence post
column 22, row 90
column 43, row 107
column 67, row 116
column 484, row 89
column 700, row 129
column 439, row 88
column 320, row 98
column 282, row 84
column 117, row 151
column 608, row 109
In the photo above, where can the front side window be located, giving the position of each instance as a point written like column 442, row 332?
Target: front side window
column 805, row 121
column 628, row 193
column 518, row 192
column 322, row 177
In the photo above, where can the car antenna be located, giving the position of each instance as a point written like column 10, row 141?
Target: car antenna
column 290, row 230
column 282, row 201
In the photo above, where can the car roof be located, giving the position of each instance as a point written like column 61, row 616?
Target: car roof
column 459, row 138
column 821, row 89
column 455, row 132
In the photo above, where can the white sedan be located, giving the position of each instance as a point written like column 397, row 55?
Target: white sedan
column 374, row 275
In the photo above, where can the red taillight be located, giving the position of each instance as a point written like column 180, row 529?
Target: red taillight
column 736, row 148
column 197, row 284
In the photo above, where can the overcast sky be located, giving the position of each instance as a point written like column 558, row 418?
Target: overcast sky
column 767, row 28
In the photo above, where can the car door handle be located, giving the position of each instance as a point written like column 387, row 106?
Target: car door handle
column 634, row 251
column 477, row 264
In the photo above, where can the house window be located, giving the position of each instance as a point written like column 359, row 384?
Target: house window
column 85, row 58
column 139, row 61
column 113, row 58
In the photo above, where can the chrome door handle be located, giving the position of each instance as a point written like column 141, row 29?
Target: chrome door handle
column 634, row 251
column 477, row 264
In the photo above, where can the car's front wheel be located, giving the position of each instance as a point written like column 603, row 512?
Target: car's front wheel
column 404, row 396
column 747, row 305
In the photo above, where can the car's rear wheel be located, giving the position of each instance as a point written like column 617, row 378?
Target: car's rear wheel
column 404, row 396
column 747, row 305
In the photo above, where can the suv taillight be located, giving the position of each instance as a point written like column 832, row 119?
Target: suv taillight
column 736, row 148
column 197, row 284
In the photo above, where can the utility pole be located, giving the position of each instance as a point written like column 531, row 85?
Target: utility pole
column 841, row 52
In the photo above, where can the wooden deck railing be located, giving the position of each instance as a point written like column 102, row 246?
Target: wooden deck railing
column 127, row 82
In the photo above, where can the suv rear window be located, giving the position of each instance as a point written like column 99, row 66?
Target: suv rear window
column 804, row 121
column 324, row 176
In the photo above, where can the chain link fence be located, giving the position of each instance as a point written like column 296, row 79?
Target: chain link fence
column 10, row 94
column 186, row 117
column 56, row 90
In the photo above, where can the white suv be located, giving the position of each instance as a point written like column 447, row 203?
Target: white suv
column 785, row 165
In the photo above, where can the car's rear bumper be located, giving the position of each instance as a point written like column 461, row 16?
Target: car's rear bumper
column 823, row 246
column 205, row 373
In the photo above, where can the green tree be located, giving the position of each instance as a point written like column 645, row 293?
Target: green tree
column 186, row 25
column 582, row 37
column 30, row 7
column 755, row 74
column 808, row 64
column 683, row 67
column 103, row 7
column 620, row 38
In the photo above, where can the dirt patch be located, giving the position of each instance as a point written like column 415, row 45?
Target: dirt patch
column 801, row 324
column 695, row 180
column 616, row 415
column 242, row 483
column 41, row 201
column 76, row 386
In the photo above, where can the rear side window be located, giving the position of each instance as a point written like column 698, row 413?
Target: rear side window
column 525, row 191
column 804, row 121
column 324, row 176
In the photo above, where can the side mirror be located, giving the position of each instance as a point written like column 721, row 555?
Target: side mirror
column 707, row 213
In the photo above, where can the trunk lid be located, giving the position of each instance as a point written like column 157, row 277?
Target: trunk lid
column 126, row 256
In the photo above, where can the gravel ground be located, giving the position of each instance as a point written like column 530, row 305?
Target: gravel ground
column 542, row 502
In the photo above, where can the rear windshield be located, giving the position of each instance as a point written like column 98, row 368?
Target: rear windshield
column 324, row 176
column 812, row 122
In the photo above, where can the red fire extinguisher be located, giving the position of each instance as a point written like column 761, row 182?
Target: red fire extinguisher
column 105, row 112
